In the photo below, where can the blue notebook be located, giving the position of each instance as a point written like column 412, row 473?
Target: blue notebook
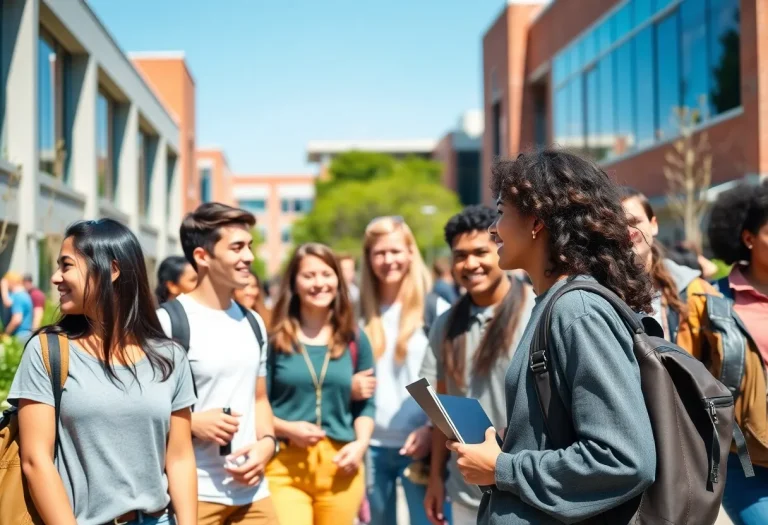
column 459, row 418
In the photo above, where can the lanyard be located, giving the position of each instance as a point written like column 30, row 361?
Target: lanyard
column 317, row 382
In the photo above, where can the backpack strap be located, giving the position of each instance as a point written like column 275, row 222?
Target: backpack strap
column 179, row 322
column 723, row 286
column 55, row 350
column 673, row 318
column 552, row 407
column 254, row 324
column 721, row 318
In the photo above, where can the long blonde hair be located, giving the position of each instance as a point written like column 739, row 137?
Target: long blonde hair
column 413, row 289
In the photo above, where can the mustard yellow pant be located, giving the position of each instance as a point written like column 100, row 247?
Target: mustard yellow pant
column 307, row 489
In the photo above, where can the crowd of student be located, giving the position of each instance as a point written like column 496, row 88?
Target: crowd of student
column 229, row 405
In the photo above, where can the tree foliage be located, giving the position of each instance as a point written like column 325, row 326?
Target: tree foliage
column 363, row 186
column 258, row 266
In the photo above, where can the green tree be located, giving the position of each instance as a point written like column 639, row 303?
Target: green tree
column 258, row 266
column 364, row 186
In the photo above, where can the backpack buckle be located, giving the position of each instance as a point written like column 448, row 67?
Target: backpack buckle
column 538, row 362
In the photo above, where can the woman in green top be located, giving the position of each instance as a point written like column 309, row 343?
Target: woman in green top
column 314, row 351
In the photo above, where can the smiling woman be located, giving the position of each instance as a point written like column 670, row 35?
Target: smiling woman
column 125, row 405
column 314, row 353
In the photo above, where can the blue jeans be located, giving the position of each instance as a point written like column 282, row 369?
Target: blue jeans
column 385, row 466
column 165, row 519
column 746, row 499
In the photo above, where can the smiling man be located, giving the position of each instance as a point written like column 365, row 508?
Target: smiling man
column 470, row 348
column 226, row 345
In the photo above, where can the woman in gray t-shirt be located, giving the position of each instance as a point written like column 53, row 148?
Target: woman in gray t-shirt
column 124, row 452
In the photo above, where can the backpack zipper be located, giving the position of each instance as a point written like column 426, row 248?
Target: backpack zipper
column 711, row 404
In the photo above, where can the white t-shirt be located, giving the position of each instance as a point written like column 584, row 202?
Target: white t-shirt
column 225, row 360
column 397, row 414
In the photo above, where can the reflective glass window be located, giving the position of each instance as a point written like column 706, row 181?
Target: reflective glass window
column 668, row 75
column 645, row 110
column 623, row 21
column 576, row 133
column 725, row 69
column 693, row 42
column 607, row 103
column 592, row 86
column 625, row 90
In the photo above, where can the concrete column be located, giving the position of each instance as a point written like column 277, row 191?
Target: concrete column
column 158, row 196
column 19, row 30
column 127, row 129
column 84, row 166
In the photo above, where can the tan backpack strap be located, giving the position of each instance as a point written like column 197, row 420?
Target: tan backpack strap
column 46, row 354
column 64, row 353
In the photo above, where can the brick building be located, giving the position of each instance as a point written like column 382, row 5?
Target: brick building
column 602, row 77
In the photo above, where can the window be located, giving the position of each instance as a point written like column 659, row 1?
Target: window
column 285, row 205
column 254, row 205
column 170, row 177
column 668, row 77
column 607, row 123
column 625, row 97
column 285, row 235
column 303, row 205
column 593, row 113
column 145, row 147
column 205, row 185
column 693, row 42
column 105, row 146
column 644, row 88
column 53, row 64
column 496, row 123
column 468, row 175
column 724, row 41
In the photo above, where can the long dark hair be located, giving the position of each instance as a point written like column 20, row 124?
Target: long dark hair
column 287, row 313
column 494, row 343
column 125, row 305
column 580, row 207
column 170, row 271
column 662, row 279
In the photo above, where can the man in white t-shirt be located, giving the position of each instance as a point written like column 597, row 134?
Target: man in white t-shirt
column 229, row 369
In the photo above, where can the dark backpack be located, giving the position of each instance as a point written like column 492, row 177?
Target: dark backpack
column 430, row 311
column 691, row 413
column 180, row 325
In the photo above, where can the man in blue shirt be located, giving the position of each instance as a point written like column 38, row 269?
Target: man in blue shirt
column 18, row 300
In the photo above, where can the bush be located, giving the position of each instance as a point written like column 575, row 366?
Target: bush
column 723, row 269
column 10, row 355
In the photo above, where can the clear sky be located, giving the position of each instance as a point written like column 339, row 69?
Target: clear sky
column 273, row 74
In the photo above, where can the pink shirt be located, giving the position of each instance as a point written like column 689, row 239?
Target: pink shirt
column 752, row 307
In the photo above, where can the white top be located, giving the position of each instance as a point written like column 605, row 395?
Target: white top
column 226, row 361
column 397, row 414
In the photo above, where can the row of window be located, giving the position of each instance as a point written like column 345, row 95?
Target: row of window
column 55, row 119
column 628, row 98
column 286, row 205
column 285, row 233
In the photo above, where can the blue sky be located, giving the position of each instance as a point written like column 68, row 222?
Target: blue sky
column 274, row 74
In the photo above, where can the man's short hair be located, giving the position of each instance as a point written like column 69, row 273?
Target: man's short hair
column 202, row 227
column 471, row 218
column 28, row 278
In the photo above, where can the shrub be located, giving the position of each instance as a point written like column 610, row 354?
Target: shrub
column 10, row 355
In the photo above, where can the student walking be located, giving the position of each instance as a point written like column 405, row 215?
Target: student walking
column 174, row 277
column 121, row 450
column 226, row 344
column 470, row 349
column 18, row 301
column 395, row 283
column 560, row 218
column 38, row 302
column 318, row 477
column 738, row 235
column 252, row 297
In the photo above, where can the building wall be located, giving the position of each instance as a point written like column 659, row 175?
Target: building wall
column 222, row 180
column 170, row 78
column 537, row 38
column 263, row 195
column 44, row 203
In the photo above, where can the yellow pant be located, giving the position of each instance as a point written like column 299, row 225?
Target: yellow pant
column 307, row 489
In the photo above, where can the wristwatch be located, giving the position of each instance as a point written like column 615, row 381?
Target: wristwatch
column 275, row 441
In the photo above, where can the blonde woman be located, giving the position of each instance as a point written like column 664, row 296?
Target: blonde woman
column 394, row 288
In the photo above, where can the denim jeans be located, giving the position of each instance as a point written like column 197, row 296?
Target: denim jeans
column 165, row 519
column 746, row 499
column 385, row 466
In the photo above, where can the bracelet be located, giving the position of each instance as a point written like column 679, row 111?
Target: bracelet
column 275, row 441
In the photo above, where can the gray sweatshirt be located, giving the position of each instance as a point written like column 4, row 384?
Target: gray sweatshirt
column 614, row 457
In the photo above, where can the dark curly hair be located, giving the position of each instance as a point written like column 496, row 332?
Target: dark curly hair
column 580, row 207
column 743, row 208
column 471, row 218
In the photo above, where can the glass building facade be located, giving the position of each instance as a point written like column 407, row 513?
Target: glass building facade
column 617, row 86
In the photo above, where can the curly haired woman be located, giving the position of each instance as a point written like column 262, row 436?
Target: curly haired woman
column 560, row 218
column 738, row 235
